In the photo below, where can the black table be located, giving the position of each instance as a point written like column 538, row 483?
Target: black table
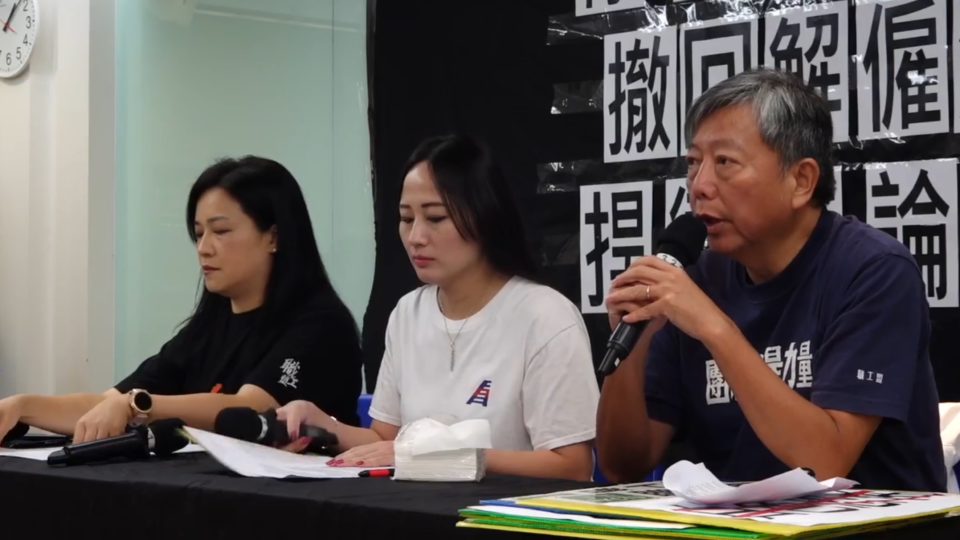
column 190, row 495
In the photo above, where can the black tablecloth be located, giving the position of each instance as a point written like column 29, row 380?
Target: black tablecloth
column 190, row 495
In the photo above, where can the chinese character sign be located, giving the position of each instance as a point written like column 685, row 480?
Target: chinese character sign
column 901, row 68
column 640, row 95
column 711, row 52
column 592, row 7
column 811, row 42
column 916, row 202
column 836, row 204
column 677, row 199
column 955, row 47
column 615, row 228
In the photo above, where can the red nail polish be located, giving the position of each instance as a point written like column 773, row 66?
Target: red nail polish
column 360, row 464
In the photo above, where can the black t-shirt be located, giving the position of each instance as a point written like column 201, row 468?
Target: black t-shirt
column 315, row 356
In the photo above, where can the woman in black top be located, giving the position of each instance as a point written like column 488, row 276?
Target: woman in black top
column 268, row 327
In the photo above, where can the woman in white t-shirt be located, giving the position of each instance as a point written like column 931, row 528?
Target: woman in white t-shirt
column 480, row 339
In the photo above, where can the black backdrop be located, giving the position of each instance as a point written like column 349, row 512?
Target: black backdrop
column 484, row 67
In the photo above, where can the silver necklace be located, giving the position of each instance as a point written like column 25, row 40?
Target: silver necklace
column 453, row 340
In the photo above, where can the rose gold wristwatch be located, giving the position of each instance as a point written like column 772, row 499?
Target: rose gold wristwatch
column 141, row 402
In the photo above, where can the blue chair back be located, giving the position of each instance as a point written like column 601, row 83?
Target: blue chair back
column 363, row 409
column 598, row 478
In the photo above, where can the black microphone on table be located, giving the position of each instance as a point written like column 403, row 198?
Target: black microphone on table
column 161, row 438
column 680, row 244
column 18, row 430
column 247, row 424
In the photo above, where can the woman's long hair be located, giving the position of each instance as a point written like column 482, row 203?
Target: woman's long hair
column 269, row 194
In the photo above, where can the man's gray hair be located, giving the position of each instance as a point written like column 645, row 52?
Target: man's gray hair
column 792, row 118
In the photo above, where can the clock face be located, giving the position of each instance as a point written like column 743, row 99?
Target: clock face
column 18, row 33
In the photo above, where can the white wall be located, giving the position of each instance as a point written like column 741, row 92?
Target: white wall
column 214, row 78
column 45, row 214
column 65, row 308
column 62, row 196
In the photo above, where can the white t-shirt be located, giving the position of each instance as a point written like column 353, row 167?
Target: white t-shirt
column 523, row 362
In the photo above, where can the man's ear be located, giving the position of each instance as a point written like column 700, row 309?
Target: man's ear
column 806, row 177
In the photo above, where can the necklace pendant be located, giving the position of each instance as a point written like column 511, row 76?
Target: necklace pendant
column 453, row 354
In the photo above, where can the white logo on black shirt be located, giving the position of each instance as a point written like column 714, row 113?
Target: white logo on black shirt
column 290, row 369
column 870, row 376
column 793, row 364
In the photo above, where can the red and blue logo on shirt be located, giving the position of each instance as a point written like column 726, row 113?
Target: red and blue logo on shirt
column 482, row 394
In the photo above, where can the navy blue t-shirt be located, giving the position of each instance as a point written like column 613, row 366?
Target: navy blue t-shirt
column 845, row 325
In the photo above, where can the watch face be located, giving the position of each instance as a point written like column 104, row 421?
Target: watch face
column 142, row 401
column 18, row 33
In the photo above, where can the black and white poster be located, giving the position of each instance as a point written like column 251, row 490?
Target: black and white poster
column 713, row 51
column 592, row 7
column 677, row 200
column 901, row 68
column 916, row 202
column 640, row 95
column 811, row 42
column 836, row 204
column 955, row 50
column 616, row 227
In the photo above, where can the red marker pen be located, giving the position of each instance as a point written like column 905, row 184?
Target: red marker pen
column 376, row 473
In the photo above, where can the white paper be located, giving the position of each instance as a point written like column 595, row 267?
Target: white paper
column 916, row 202
column 37, row 454
column 255, row 460
column 822, row 38
column 530, row 512
column 711, row 52
column 616, row 227
column 901, row 69
column 695, row 483
column 640, row 115
column 955, row 48
column 592, row 7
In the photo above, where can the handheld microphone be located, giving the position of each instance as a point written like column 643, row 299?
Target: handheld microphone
column 161, row 437
column 680, row 244
column 18, row 430
column 246, row 424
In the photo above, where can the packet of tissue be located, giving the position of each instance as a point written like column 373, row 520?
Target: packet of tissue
column 432, row 451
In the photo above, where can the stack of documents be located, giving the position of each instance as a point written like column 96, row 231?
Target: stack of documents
column 432, row 451
column 791, row 505
column 497, row 515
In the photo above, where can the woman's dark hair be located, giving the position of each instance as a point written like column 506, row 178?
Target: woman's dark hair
column 475, row 191
column 268, row 193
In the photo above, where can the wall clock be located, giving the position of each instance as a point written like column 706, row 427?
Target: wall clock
column 19, row 20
